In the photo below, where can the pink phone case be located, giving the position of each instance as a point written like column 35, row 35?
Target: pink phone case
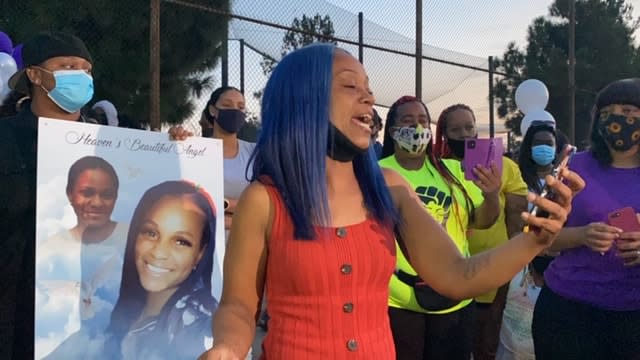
column 481, row 152
column 624, row 219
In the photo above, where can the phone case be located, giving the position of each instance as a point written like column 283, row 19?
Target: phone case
column 624, row 219
column 561, row 162
column 481, row 152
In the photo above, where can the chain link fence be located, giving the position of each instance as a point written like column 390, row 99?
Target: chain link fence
column 264, row 31
column 208, row 43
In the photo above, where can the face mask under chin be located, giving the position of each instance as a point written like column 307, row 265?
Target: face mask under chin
column 340, row 148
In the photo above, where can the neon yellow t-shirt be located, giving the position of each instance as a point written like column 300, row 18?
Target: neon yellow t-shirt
column 435, row 193
column 482, row 240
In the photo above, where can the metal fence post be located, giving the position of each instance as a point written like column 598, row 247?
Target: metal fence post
column 492, row 125
column 224, row 64
column 572, row 72
column 154, row 65
column 419, row 49
column 242, row 65
column 360, row 37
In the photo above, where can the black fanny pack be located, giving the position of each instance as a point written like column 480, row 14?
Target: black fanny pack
column 427, row 298
column 540, row 263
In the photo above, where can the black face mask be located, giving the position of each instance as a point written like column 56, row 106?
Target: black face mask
column 621, row 132
column 457, row 147
column 230, row 120
column 340, row 148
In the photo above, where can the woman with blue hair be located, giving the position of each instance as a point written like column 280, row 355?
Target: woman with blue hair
column 315, row 228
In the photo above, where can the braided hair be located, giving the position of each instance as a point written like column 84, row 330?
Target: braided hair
column 389, row 150
column 528, row 167
column 442, row 149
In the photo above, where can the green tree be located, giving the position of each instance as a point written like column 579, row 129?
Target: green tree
column 315, row 29
column 604, row 48
column 117, row 35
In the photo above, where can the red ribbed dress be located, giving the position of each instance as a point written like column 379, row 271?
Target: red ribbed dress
column 327, row 298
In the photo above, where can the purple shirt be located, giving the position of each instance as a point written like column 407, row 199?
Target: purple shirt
column 581, row 274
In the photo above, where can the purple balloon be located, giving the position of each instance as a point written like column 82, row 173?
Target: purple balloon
column 6, row 45
column 17, row 56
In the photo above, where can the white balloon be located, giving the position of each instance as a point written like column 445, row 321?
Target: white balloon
column 541, row 116
column 8, row 67
column 4, row 90
column 532, row 95
column 2, row 86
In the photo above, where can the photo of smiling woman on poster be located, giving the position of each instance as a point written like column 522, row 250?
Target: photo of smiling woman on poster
column 88, row 255
column 165, row 305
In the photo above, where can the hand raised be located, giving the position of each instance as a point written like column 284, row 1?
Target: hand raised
column 558, row 208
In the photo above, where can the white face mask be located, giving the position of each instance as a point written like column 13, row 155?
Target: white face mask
column 413, row 140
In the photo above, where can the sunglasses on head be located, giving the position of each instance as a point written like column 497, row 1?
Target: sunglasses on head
column 543, row 122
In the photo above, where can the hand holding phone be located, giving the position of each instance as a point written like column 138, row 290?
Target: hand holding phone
column 599, row 236
column 483, row 152
column 565, row 156
column 563, row 163
column 625, row 219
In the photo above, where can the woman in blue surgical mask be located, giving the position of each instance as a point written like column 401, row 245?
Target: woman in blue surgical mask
column 536, row 160
column 537, row 155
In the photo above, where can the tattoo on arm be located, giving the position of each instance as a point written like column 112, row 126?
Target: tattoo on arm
column 475, row 264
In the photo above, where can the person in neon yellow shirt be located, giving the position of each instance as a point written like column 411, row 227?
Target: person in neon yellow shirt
column 426, row 325
column 456, row 123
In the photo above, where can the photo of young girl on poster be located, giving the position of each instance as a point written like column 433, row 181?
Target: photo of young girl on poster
column 129, row 243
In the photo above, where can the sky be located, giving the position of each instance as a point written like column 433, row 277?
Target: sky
column 470, row 29
column 479, row 28
column 465, row 30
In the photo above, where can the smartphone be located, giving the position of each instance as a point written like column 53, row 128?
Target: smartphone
column 561, row 163
column 481, row 152
column 624, row 219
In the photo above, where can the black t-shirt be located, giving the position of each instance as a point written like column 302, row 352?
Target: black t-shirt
column 18, row 158
column 18, row 165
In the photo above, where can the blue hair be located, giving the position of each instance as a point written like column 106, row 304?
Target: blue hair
column 292, row 147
